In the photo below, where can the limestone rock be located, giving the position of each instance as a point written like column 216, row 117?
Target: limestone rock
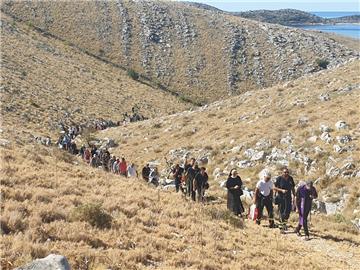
column 341, row 125
column 326, row 137
column 324, row 97
column 324, row 128
column 344, row 139
column 51, row 262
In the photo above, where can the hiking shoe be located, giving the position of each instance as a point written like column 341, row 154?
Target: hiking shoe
column 307, row 238
column 282, row 231
column 272, row 226
column 258, row 222
column 297, row 233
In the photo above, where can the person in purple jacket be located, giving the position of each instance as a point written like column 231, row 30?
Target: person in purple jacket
column 304, row 196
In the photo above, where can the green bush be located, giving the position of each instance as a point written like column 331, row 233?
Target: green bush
column 133, row 74
column 93, row 214
column 322, row 63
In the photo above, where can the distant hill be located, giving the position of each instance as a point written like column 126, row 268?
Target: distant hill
column 293, row 17
column 197, row 53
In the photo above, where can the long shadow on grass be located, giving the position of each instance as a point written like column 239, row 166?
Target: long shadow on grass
column 335, row 238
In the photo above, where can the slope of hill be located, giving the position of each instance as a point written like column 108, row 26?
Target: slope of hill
column 192, row 51
column 45, row 81
column 287, row 125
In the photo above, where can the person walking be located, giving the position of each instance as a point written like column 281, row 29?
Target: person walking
column 177, row 174
column 284, row 199
column 304, row 196
column 123, row 167
column 264, row 197
column 199, row 184
column 192, row 170
column 233, row 185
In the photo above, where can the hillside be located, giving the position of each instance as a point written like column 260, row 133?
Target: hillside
column 287, row 125
column 197, row 53
column 46, row 82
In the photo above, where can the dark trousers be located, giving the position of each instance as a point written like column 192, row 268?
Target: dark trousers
column 177, row 184
column 265, row 201
column 285, row 206
column 305, row 224
column 200, row 194
column 190, row 191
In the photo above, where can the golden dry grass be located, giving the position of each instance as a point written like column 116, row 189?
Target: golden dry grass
column 149, row 228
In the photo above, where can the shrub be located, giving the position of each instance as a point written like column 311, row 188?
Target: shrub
column 93, row 214
column 133, row 74
column 322, row 63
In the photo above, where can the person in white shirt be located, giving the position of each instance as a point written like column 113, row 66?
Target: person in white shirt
column 131, row 170
column 263, row 197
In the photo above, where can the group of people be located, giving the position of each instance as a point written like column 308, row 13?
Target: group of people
column 192, row 180
column 283, row 193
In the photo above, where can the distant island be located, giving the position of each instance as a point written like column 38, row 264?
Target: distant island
column 293, row 17
column 286, row 17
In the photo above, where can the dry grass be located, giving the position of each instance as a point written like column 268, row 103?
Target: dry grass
column 147, row 228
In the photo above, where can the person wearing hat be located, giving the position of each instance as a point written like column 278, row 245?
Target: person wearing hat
column 263, row 197
column 304, row 196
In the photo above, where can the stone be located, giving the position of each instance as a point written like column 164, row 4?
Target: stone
column 108, row 143
column 331, row 208
column 326, row 137
column 249, row 152
column 344, row 139
column 51, row 262
column 324, row 128
column 245, row 164
column 324, row 97
column 258, row 156
column 348, row 166
column 4, row 143
column 303, row 121
column 287, row 139
column 341, row 125
column 333, row 172
column 312, row 139
column 320, row 206
column 318, row 150
column 337, row 148
column 204, row 160
column 236, row 149
column 263, row 144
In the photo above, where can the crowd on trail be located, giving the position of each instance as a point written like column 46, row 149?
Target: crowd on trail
column 192, row 181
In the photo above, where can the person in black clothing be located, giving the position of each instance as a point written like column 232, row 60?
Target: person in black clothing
column 233, row 184
column 190, row 175
column 199, row 183
column 177, row 174
column 146, row 172
column 283, row 199
column 304, row 196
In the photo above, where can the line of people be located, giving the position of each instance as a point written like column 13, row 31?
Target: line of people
column 192, row 180
column 282, row 193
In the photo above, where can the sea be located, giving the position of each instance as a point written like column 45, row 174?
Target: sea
column 348, row 29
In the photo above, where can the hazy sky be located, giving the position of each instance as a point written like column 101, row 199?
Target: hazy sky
column 306, row 5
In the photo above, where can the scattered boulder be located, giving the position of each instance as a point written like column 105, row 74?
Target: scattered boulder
column 344, row 139
column 236, row 149
column 324, row 128
column 245, row 164
column 324, row 97
column 258, row 156
column 332, row 172
column 341, row 125
column 263, row 144
column 303, row 121
column 4, row 143
column 51, row 262
column 312, row 139
column 287, row 139
column 326, row 137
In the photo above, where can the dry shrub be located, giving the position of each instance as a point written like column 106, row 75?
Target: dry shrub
column 63, row 156
column 48, row 216
column 93, row 214
column 225, row 215
column 12, row 222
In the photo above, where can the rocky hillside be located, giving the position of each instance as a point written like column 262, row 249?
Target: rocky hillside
column 46, row 82
column 198, row 53
column 310, row 125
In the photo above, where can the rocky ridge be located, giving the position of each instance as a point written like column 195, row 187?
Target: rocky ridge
column 197, row 53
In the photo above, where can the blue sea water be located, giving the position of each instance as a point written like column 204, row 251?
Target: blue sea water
column 349, row 30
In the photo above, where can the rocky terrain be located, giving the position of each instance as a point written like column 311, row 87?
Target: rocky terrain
column 197, row 53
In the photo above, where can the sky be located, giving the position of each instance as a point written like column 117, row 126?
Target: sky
column 306, row 5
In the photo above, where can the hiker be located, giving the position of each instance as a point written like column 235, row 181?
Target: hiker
column 87, row 155
column 105, row 157
column 233, row 184
column 115, row 167
column 177, row 174
column 93, row 150
column 111, row 162
column 94, row 162
column 189, row 176
column 131, row 170
column 201, row 178
column 123, row 167
column 154, row 176
column 263, row 197
column 82, row 151
column 146, row 172
column 304, row 196
column 283, row 199
column 73, row 148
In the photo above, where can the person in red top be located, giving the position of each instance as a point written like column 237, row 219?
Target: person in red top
column 123, row 167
